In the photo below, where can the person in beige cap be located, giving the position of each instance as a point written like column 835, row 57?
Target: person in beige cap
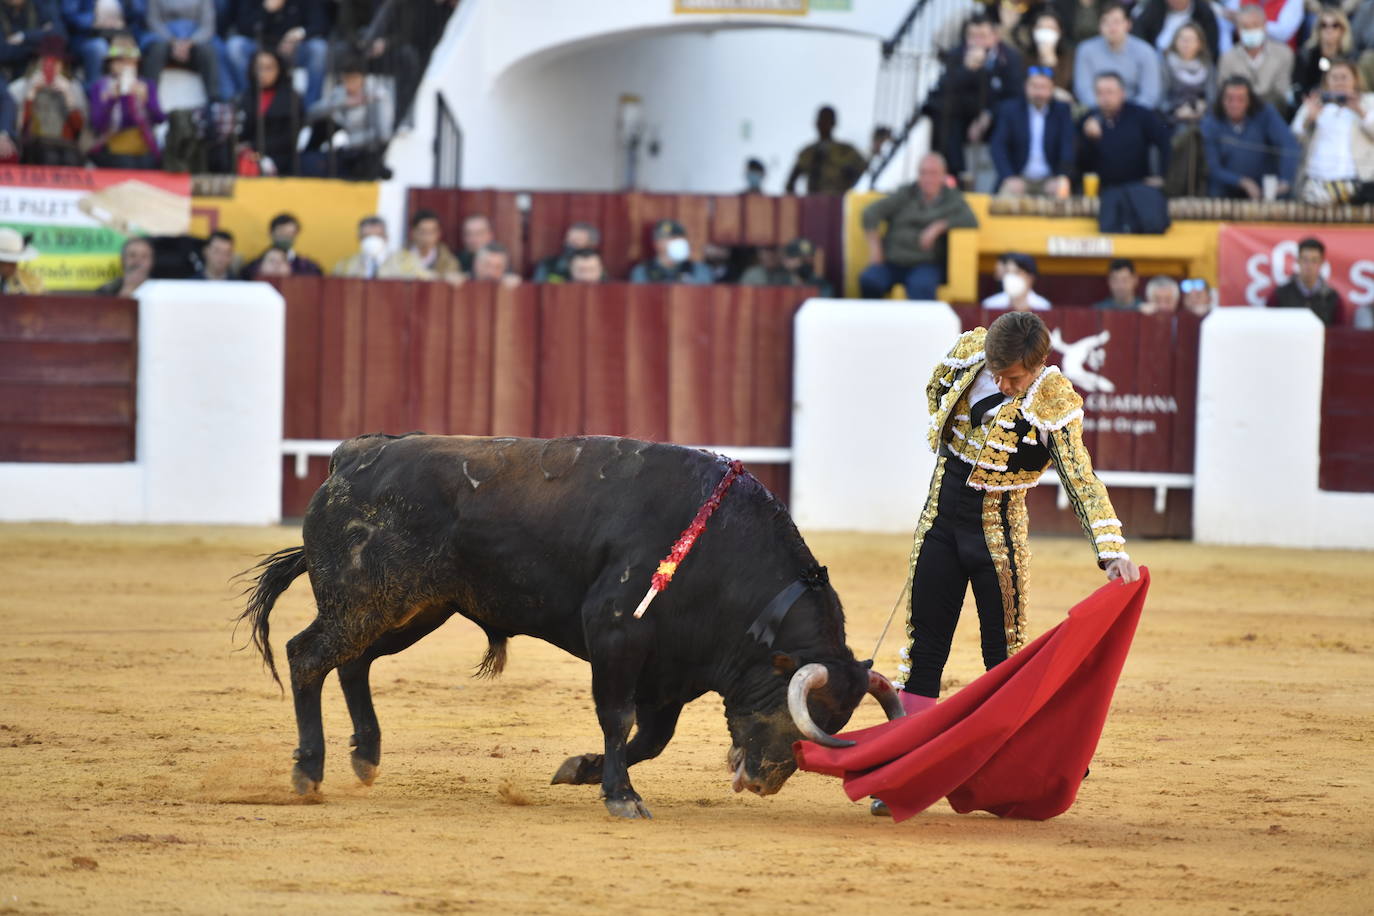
column 14, row 250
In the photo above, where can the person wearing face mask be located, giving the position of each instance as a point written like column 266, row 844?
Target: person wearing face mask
column 1042, row 42
column 999, row 418
column 284, row 230
column 1266, row 64
column 557, row 268
column 1017, row 273
column 374, row 260
column 754, row 174
column 672, row 261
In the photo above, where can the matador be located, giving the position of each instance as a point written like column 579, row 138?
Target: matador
column 998, row 418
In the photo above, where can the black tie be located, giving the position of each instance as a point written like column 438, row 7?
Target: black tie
column 983, row 406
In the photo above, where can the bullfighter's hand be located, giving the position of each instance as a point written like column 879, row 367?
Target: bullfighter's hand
column 1123, row 568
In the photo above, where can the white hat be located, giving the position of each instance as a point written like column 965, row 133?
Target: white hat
column 12, row 247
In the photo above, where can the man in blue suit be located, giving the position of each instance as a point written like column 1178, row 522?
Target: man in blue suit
column 1032, row 140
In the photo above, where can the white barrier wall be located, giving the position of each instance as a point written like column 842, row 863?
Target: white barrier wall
column 860, row 458
column 1258, row 423
column 209, row 427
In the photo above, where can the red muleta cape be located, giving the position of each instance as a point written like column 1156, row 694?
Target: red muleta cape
column 1017, row 741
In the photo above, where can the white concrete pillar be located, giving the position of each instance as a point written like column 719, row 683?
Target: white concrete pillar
column 859, row 455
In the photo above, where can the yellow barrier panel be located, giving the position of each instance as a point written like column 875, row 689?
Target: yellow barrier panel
column 328, row 211
column 1060, row 246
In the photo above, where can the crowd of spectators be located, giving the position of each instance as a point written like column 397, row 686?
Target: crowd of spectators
column 288, row 87
column 1228, row 98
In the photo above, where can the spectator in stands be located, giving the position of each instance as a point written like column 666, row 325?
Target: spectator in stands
column 477, row 234
column 980, row 75
column 1188, row 81
column 1266, row 63
column 1032, row 140
column 14, row 251
column 9, row 126
column 54, row 109
column 294, row 29
column 1115, row 50
column 1330, row 41
column 218, row 257
column 1244, row 139
column 1117, row 137
column 357, row 117
column 284, row 230
column 427, row 246
column 136, row 262
column 396, row 38
column 1161, row 296
column 792, row 265
column 1338, row 127
column 124, row 110
column 1283, row 18
column 1157, row 21
column 672, row 261
column 1308, row 289
column 23, row 26
column 374, row 260
column 584, row 266
column 1362, row 30
column 1122, row 282
column 1047, row 47
column 183, row 31
column 557, row 268
column 1197, row 296
column 767, row 270
column 273, row 263
column 829, row 166
column 913, row 251
column 754, row 174
column 270, row 118
column 1017, row 273
column 492, row 265
column 92, row 23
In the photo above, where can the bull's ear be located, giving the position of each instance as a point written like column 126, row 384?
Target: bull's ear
column 784, row 664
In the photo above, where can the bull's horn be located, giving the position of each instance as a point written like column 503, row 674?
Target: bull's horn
column 807, row 677
column 882, row 690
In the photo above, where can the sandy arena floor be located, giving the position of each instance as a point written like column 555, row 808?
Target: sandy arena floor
column 146, row 762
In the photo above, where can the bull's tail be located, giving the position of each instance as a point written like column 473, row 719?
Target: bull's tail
column 494, row 661
column 278, row 571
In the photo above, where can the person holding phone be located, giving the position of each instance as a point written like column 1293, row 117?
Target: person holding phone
column 124, row 110
column 1337, row 124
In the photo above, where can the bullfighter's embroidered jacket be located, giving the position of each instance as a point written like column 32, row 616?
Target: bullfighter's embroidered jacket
column 1016, row 443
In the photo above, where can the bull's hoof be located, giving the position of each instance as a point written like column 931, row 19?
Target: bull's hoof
column 303, row 782
column 582, row 770
column 365, row 769
column 631, row 808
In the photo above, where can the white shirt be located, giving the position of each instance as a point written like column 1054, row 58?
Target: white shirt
column 1037, row 166
column 1172, row 22
column 985, row 385
column 1329, row 156
column 1038, row 303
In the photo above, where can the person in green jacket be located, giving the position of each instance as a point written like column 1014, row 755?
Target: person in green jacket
column 912, row 251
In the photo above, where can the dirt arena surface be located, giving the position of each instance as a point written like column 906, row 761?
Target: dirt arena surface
column 146, row 763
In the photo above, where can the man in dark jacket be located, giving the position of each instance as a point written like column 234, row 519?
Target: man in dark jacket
column 1244, row 139
column 1032, row 139
column 284, row 229
column 1160, row 19
column 1307, row 289
column 979, row 75
column 23, row 25
column 296, row 30
column 1117, row 136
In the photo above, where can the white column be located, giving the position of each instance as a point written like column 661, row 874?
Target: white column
column 210, row 401
column 860, row 458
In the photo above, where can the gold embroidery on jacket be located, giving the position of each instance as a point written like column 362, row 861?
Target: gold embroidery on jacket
column 923, row 526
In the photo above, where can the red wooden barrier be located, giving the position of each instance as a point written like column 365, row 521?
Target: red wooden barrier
column 1139, row 385
column 706, row 365
column 626, row 221
column 1347, row 436
column 68, row 368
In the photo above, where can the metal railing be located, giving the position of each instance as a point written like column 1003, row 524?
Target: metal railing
column 909, row 71
column 448, row 146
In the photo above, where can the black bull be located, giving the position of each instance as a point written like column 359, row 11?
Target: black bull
column 557, row 539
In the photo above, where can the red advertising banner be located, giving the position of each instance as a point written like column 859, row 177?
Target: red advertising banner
column 1253, row 261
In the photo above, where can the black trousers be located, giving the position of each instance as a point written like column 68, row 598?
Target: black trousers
column 953, row 555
